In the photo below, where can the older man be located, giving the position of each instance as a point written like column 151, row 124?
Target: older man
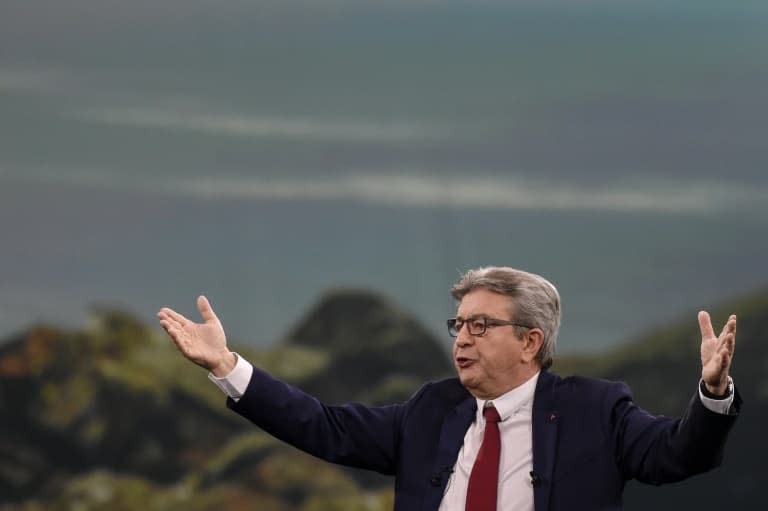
column 507, row 434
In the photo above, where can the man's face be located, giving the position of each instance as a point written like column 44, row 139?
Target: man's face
column 491, row 364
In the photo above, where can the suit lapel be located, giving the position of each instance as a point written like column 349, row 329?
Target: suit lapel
column 544, row 424
column 452, row 432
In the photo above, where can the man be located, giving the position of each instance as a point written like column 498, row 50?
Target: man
column 507, row 434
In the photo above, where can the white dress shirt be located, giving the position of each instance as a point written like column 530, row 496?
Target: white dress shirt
column 516, row 462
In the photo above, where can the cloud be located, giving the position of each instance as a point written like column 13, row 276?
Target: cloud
column 31, row 80
column 482, row 193
column 420, row 188
column 263, row 126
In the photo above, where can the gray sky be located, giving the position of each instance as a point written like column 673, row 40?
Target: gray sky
column 610, row 145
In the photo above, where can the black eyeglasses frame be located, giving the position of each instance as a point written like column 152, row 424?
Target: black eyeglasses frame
column 453, row 329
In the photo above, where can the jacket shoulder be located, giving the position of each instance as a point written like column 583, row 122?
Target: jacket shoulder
column 578, row 388
column 578, row 382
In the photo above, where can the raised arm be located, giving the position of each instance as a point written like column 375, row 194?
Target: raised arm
column 661, row 450
column 352, row 434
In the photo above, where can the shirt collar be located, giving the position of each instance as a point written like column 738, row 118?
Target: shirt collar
column 512, row 402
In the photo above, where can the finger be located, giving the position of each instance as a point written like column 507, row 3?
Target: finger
column 730, row 326
column 726, row 352
column 175, row 316
column 170, row 321
column 728, row 335
column 730, row 344
column 172, row 331
column 180, row 340
column 206, row 311
column 163, row 315
column 705, row 325
column 722, row 345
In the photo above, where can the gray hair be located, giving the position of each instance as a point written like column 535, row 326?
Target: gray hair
column 536, row 301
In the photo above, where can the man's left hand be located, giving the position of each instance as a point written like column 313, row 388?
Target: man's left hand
column 716, row 353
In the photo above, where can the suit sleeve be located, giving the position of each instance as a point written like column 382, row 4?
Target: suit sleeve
column 660, row 450
column 351, row 434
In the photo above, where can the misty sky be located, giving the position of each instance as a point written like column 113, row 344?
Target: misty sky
column 364, row 141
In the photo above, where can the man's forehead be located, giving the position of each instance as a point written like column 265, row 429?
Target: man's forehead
column 484, row 302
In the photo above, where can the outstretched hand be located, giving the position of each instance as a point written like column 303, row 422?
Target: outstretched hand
column 716, row 353
column 205, row 343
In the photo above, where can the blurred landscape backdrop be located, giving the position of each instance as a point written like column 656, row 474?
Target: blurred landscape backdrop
column 109, row 417
column 323, row 170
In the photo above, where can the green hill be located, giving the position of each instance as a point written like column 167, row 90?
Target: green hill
column 113, row 416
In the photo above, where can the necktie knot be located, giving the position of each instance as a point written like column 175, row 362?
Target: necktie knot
column 491, row 414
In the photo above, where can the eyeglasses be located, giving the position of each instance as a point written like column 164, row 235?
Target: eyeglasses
column 477, row 325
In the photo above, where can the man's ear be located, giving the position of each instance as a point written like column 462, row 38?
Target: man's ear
column 532, row 342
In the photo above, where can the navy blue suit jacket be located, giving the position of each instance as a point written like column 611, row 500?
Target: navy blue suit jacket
column 588, row 438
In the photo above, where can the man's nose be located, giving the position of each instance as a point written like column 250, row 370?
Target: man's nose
column 463, row 337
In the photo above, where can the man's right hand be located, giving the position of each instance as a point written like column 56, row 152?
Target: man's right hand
column 205, row 344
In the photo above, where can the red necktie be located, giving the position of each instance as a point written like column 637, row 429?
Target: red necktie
column 484, row 480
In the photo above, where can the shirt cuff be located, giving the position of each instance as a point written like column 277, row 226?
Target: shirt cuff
column 235, row 383
column 721, row 406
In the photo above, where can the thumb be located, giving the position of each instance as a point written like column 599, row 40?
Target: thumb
column 206, row 311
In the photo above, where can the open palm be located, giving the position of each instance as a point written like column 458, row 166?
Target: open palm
column 716, row 352
column 205, row 343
